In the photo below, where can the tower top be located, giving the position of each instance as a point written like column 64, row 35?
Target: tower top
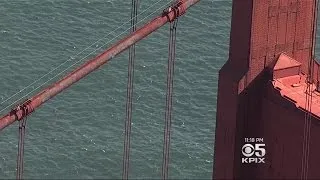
column 262, row 29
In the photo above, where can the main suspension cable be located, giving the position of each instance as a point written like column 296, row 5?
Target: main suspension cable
column 168, row 113
column 79, row 61
column 132, row 51
column 45, row 75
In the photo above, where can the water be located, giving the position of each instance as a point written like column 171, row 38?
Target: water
column 79, row 133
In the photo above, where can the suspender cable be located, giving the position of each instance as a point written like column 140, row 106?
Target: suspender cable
column 20, row 164
column 307, row 122
column 22, row 132
column 307, row 127
column 168, row 113
column 132, row 51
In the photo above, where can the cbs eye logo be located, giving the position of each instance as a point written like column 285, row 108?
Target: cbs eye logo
column 249, row 150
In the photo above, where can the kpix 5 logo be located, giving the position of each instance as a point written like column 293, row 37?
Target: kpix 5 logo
column 253, row 153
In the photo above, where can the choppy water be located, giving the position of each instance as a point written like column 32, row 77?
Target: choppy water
column 79, row 133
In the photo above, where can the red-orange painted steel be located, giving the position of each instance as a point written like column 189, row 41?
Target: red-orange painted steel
column 249, row 106
column 29, row 106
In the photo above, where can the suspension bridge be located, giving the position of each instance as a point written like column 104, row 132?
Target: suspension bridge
column 25, row 106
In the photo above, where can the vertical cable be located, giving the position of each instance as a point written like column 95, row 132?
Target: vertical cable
column 126, row 151
column 20, row 163
column 307, row 121
column 309, row 95
column 19, row 151
column 169, row 95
